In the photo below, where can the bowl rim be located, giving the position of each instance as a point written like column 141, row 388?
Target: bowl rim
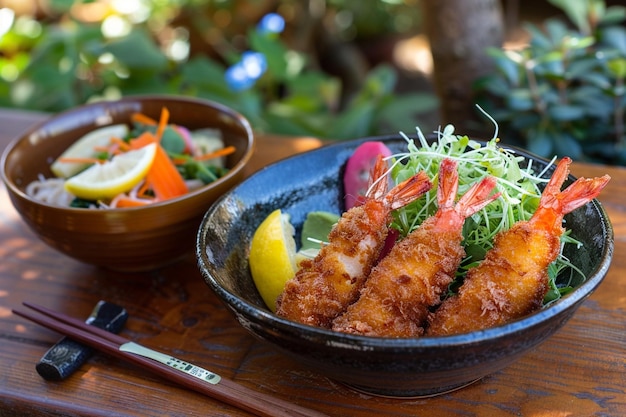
column 333, row 338
column 232, row 172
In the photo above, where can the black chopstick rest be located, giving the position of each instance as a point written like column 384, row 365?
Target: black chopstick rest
column 66, row 356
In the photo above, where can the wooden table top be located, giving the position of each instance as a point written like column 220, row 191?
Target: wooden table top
column 580, row 371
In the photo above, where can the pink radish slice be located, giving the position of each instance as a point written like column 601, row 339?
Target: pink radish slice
column 356, row 177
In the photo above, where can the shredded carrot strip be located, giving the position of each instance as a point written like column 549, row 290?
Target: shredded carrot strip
column 163, row 180
column 143, row 190
column 163, row 177
column 179, row 161
column 143, row 119
column 165, row 117
column 204, row 157
column 124, row 146
column 132, row 202
column 220, row 152
column 81, row 160
column 142, row 140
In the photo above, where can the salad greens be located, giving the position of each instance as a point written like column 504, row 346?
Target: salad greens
column 178, row 142
column 184, row 161
column 518, row 181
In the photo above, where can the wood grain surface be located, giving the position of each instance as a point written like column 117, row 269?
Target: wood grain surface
column 580, row 371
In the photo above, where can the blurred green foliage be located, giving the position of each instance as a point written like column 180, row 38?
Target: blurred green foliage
column 55, row 64
column 564, row 93
column 374, row 18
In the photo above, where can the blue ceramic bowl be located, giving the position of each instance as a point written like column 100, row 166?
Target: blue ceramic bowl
column 390, row 367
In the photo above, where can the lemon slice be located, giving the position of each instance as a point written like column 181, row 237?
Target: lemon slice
column 273, row 256
column 85, row 148
column 119, row 175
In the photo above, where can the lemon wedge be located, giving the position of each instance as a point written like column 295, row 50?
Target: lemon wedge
column 273, row 256
column 85, row 148
column 119, row 175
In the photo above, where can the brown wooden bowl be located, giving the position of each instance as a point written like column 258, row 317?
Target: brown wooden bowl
column 130, row 238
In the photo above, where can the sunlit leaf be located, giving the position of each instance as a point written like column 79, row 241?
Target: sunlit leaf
column 578, row 42
column 51, row 91
column 286, row 120
column 274, row 51
column 138, row 51
column 617, row 67
column 204, row 74
column 397, row 113
column 353, row 123
column 61, row 6
column 613, row 15
column 506, row 65
column 576, row 11
column 380, row 80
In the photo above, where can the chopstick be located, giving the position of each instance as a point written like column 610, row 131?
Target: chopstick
column 198, row 379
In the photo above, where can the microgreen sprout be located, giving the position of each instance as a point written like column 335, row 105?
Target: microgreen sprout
column 518, row 181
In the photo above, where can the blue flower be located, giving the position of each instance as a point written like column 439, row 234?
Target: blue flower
column 271, row 23
column 247, row 71
column 237, row 78
column 254, row 63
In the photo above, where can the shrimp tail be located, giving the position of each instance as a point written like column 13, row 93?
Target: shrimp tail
column 476, row 198
column 378, row 184
column 554, row 203
column 448, row 184
column 582, row 191
column 405, row 192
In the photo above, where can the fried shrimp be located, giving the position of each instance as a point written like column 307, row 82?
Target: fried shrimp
column 396, row 298
column 512, row 280
column 324, row 286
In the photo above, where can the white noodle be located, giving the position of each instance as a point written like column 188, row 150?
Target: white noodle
column 50, row 190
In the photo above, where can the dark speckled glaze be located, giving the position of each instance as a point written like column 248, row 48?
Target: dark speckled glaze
column 390, row 367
